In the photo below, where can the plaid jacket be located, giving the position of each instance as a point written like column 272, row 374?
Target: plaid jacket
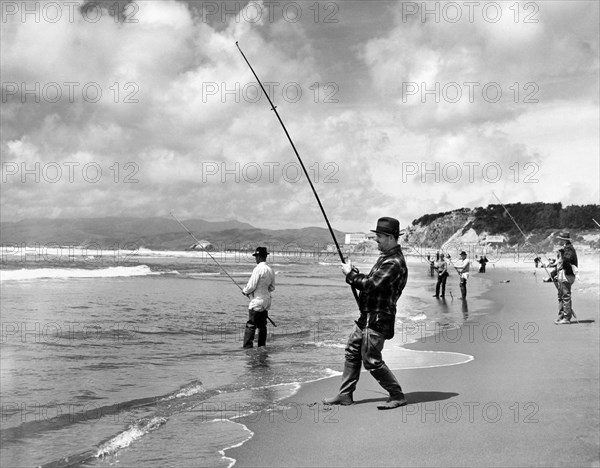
column 569, row 259
column 380, row 291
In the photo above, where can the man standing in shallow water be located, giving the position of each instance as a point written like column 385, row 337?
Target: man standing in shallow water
column 260, row 286
column 379, row 293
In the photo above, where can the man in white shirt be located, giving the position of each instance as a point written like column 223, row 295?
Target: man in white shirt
column 463, row 266
column 259, row 288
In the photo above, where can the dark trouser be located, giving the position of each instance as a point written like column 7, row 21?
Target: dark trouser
column 441, row 281
column 364, row 347
column 463, row 287
column 565, row 308
column 256, row 320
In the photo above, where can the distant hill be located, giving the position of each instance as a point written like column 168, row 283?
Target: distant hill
column 538, row 221
column 158, row 234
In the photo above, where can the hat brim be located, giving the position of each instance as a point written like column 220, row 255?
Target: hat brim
column 563, row 238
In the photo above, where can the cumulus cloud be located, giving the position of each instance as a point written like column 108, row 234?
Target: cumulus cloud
column 180, row 122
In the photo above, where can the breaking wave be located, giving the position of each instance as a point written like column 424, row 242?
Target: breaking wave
column 59, row 273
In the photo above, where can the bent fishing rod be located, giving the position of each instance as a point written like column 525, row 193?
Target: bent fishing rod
column 274, row 109
column 198, row 243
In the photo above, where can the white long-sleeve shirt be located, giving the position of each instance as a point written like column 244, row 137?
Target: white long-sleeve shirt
column 260, row 285
column 463, row 267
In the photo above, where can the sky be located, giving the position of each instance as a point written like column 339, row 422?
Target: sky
column 396, row 109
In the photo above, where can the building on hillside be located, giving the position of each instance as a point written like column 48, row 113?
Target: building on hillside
column 493, row 241
column 353, row 238
column 490, row 245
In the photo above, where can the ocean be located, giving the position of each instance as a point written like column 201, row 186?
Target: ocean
column 136, row 359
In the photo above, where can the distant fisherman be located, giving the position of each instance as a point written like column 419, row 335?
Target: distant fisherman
column 442, row 269
column 260, row 286
column 379, row 293
column 463, row 266
column 566, row 270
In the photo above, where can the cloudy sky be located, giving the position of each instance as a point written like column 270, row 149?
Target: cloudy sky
column 396, row 108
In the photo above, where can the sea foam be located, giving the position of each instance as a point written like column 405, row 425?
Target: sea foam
column 58, row 273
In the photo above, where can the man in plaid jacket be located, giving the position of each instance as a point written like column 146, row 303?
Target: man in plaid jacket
column 379, row 293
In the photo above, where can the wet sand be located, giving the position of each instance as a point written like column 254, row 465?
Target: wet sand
column 530, row 396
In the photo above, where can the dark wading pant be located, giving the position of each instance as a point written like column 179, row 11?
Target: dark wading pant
column 365, row 346
column 565, row 307
column 463, row 287
column 441, row 281
column 256, row 320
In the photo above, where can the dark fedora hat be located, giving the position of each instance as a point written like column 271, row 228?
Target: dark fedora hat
column 389, row 226
column 463, row 253
column 260, row 252
column 564, row 236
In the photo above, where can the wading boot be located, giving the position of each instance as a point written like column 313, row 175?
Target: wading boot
column 262, row 336
column 463, row 290
column 388, row 381
column 249, row 336
column 350, row 378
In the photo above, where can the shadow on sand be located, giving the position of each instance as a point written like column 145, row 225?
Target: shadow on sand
column 414, row 398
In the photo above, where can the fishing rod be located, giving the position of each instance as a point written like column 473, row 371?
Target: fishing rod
column 521, row 231
column 198, row 243
column 534, row 251
column 596, row 222
column 457, row 271
column 455, row 267
column 429, row 261
column 274, row 109
column 420, row 254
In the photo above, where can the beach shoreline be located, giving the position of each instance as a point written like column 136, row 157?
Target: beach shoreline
column 528, row 398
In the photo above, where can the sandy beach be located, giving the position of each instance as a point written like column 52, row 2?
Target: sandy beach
column 528, row 398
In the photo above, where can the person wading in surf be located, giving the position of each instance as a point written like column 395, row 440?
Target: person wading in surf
column 379, row 292
column 260, row 286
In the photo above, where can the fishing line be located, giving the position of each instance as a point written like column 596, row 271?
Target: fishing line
column 198, row 243
column 429, row 262
column 533, row 248
column 524, row 236
column 274, row 109
column 215, row 260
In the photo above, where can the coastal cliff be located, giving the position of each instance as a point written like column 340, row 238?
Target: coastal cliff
column 493, row 225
